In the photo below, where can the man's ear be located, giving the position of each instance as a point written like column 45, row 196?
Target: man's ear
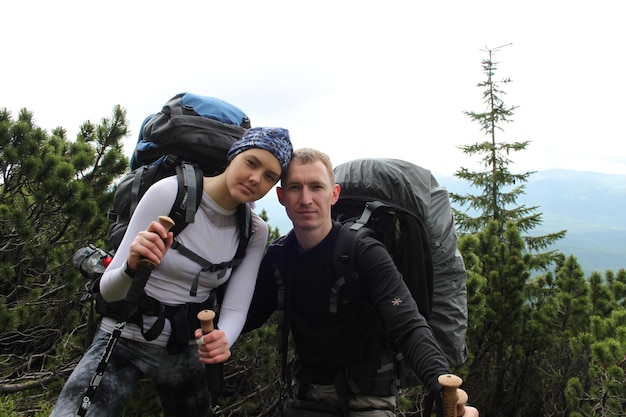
column 336, row 192
column 279, row 193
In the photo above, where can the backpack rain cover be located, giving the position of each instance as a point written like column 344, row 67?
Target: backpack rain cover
column 415, row 189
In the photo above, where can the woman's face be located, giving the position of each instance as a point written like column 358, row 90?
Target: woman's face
column 251, row 174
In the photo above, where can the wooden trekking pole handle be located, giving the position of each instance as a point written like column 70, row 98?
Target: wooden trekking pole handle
column 206, row 320
column 450, row 399
column 167, row 223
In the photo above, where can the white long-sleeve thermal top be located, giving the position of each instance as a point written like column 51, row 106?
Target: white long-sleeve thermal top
column 214, row 236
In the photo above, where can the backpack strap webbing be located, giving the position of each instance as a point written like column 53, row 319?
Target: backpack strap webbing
column 189, row 195
column 283, row 306
column 244, row 214
column 134, row 195
column 244, row 218
column 344, row 259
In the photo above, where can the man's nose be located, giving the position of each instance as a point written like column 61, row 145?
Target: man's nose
column 306, row 197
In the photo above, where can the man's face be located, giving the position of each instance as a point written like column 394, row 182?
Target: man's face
column 308, row 194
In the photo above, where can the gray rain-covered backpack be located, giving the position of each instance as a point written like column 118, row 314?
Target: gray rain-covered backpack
column 405, row 207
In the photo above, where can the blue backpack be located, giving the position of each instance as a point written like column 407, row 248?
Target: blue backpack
column 190, row 137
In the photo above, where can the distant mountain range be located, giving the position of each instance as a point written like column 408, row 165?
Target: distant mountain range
column 590, row 206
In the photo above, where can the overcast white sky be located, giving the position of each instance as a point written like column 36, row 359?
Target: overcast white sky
column 352, row 78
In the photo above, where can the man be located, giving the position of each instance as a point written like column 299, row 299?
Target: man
column 334, row 349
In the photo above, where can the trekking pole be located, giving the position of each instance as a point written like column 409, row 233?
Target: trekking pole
column 212, row 372
column 144, row 269
column 453, row 398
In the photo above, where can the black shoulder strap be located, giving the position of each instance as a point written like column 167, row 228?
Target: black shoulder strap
column 283, row 305
column 344, row 256
column 244, row 216
column 189, row 195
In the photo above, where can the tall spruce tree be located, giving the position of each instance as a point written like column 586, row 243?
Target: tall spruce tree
column 499, row 188
column 495, row 229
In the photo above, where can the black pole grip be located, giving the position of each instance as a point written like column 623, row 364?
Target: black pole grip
column 137, row 285
column 144, row 269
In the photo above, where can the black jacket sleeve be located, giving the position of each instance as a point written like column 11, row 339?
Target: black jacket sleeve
column 264, row 300
column 398, row 312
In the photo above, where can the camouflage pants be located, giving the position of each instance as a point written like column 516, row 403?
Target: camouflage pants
column 180, row 380
column 359, row 405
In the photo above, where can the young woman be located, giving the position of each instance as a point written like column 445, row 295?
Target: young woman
column 256, row 163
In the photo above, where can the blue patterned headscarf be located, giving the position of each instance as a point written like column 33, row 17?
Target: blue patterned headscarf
column 272, row 139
